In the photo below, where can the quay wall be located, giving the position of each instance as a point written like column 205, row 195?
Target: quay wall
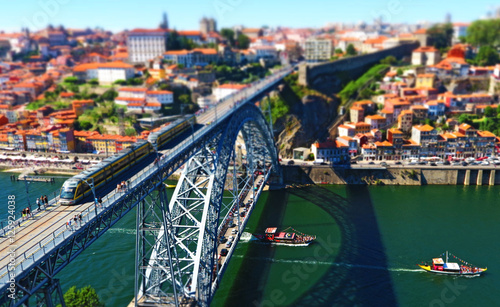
column 293, row 174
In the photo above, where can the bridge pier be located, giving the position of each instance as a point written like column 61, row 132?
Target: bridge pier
column 479, row 177
column 467, row 177
column 492, row 177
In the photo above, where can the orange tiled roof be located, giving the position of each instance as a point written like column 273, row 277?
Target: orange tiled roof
column 426, row 128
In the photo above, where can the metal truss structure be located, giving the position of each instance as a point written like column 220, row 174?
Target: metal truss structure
column 176, row 242
column 177, row 262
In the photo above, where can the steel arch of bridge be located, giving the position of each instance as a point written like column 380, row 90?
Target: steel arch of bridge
column 177, row 242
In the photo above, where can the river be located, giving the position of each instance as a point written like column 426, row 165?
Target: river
column 370, row 239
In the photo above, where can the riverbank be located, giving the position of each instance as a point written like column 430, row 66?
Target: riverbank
column 400, row 175
column 42, row 171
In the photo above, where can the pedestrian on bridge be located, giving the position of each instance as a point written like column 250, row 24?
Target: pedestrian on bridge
column 46, row 201
column 38, row 203
column 100, row 202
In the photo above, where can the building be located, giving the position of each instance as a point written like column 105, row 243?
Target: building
column 405, row 121
column 137, row 97
column 225, row 90
column 357, row 114
column 252, row 32
column 144, row 45
column 190, row 58
column 318, row 50
column 333, row 152
column 208, row 25
column 435, row 108
column 459, row 30
column 376, row 121
column 427, row 137
column 108, row 73
column 425, row 56
column 426, row 80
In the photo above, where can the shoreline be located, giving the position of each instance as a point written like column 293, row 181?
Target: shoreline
column 47, row 171
column 400, row 175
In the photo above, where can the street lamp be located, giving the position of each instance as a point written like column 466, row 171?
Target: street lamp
column 26, row 184
column 91, row 185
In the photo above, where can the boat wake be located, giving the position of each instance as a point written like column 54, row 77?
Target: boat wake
column 246, row 237
column 338, row 264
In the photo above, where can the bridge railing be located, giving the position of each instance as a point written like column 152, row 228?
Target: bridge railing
column 51, row 241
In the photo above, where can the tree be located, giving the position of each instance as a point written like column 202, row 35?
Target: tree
column 440, row 36
column 389, row 60
column 93, row 82
column 489, row 112
column 484, row 32
column 109, row 95
column 399, row 72
column 130, row 132
column 338, row 51
column 72, row 80
column 243, row 41
column 228, row 34
column 464, row 118
column 84, row 297
column 351, row 50
column 487, row 56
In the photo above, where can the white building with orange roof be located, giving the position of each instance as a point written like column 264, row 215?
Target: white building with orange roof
column 376, row 121
column 405, row 120
column 331, row 152
column 427, row 55
column 357, row 114
column 351, row 143
column 427, row 137
column 345, row 130
column 225, row 90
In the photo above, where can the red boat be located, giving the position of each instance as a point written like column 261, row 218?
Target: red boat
column 273, row 236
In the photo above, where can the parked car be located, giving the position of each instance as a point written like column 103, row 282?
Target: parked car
column 398, row 163
column 433, row 164
column 228, row 244
column 223, row 252
column 291, row 162
column 222, row 239
column 446, row 163
column 464, row 163
column 383, row 163
column 371, row 163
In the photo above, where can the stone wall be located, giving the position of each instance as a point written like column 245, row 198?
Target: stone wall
column 308, row 73
column 390, row 176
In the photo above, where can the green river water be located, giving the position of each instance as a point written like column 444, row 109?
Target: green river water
column 369, row 242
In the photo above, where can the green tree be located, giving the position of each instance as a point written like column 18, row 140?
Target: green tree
column 72, row 80
column 399, row 72
column 489, row 112
column 338, row 51
column 484, row 32
column 50, row 95
column 85, row 297
column 487, row 56
column 351, row 50
column 440, row 36
column 243, row 41
column 130, row 132
column 228, row 34
column 93, row 82
column 389, row 60
column 109, row 95
column 464, row 118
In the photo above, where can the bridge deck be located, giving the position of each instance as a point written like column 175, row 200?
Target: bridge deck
column 35, row 237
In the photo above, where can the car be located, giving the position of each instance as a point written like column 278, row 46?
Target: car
column 228, row 244
column 398, row 163
column 222, row 239
column 422, row 163
column 354, row 162
column 324, row 163
column 485, row 163
column 291, row 162
column 446, row 163
column 223, row 252
column 433, row 164
column 383, row 163
column 242, row 214
column 464, row 163
column 371, row 163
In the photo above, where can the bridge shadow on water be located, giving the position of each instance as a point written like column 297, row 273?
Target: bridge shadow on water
column 253, row 273
column 360, row 276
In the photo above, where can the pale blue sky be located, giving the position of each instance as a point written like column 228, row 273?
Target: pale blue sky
column 117, row 15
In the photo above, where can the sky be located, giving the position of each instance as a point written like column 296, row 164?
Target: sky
column 117, row 15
